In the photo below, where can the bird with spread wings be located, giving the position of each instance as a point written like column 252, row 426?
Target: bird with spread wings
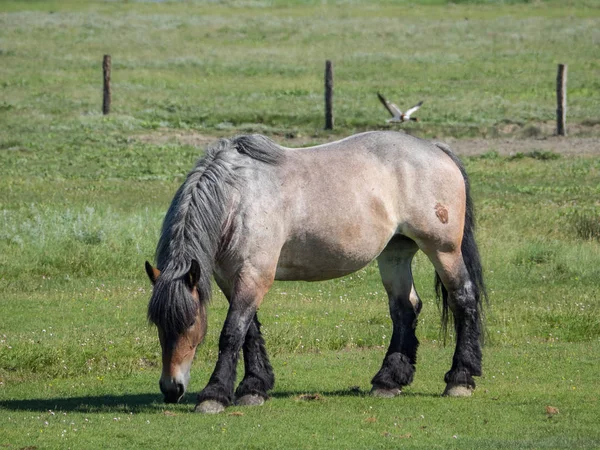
column 396, row 113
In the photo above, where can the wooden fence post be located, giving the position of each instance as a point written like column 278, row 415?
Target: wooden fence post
column 561, row 98
column 328, row 95
column 106, row 63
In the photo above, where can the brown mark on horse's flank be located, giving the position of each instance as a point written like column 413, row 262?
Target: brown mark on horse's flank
column 441, row 212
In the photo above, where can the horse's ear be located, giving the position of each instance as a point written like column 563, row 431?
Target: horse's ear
column 152, row 272
column 193, row 274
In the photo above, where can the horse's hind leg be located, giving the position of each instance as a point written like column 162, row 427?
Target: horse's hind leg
column 399, row 363
column 258, row 378
column 462, row 296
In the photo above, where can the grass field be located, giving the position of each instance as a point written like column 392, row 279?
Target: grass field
column 82, row 197
column 243, row 65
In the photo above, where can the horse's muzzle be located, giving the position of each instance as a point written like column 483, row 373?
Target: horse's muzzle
column 173, row 392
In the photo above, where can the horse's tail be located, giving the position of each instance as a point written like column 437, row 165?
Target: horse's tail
column 469, row 251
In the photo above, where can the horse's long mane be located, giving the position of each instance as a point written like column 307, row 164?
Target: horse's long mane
column 193, row 226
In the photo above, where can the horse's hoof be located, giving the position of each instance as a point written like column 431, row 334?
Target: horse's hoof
column 209, row 407
column 385, row 393
column 457, row 390
column 250, row 400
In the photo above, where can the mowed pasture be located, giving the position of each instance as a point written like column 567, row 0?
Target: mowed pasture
column 82, row 198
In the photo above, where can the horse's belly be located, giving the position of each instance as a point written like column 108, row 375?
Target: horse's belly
column 315, row 258
column 296, row 272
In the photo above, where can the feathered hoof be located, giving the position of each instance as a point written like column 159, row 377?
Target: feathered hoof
column 209, row 407
column 385, row 393
column 250, row 400
column 457, row 390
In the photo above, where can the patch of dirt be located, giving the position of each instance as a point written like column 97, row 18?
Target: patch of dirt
column 511, row 138
column 541, row 139
column 575, row 146
column 310, row 397
column 166, row 136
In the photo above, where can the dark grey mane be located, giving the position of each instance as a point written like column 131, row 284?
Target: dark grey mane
column 193, row 226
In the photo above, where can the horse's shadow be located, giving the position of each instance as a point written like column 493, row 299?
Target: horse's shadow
column 136, row 403
column 90, row 404
column 351, row 392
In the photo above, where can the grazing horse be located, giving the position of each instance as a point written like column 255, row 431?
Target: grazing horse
column 252, row 212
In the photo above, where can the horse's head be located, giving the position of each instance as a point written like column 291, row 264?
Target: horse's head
column 176, row 310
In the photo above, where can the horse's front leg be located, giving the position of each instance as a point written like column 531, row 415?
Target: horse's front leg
column 241, row 329
column 258, row 378
column 218, row 393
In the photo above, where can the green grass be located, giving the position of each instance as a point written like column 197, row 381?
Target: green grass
column 82, row 197
column 74, row 339
column 207, row 66
column 322, row 402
